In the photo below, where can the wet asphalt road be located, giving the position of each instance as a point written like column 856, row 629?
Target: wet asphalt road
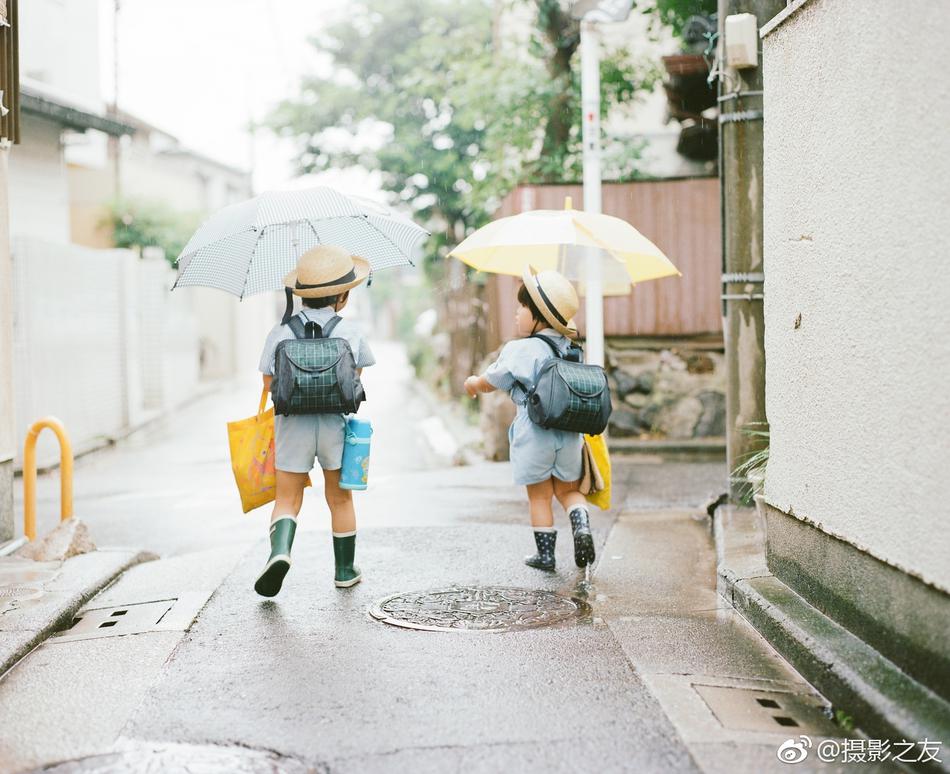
column 309, row 681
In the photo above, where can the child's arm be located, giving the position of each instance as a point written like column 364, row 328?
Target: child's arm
column 476, row 384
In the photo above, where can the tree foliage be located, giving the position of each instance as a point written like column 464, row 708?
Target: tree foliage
column 675, row 13
column 457, row 121
column 138, row 223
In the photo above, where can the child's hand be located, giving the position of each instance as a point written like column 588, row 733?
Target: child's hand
column 471, row 386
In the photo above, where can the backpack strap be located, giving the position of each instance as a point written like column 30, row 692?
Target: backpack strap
column 550, row 342
column 330, row 325
column 297, row 327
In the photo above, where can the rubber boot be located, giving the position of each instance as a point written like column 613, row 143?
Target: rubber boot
column 344, row 550
column 545, row 540
column 282, row 531
column 583, row 540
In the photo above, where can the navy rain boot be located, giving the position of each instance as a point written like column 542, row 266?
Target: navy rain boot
column 583, row 540
column 545, row 540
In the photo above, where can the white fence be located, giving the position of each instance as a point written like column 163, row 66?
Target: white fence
column 101, row 343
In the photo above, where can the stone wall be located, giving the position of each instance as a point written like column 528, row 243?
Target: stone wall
column 659, row 393
column 675, row 393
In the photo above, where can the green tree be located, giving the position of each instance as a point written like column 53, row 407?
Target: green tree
column 460, row 123
column 137, row 224
column 675, row 13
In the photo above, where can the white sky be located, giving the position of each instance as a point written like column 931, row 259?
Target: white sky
column 203, row 69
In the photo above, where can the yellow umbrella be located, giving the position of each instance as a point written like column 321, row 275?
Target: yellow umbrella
column 565, row 240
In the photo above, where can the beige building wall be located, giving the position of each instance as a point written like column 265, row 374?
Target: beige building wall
column 857, row 207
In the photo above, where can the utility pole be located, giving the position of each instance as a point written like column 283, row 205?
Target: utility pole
column 115, row 143
column 740, row 173
column 590, row 105
column 590, row 13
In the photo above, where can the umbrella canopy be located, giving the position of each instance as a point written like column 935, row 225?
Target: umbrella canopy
column 566, row 240
column 248, row 248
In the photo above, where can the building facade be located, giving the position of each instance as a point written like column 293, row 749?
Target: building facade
column 856, row 208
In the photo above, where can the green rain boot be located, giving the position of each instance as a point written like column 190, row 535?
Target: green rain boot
column 282, row 531
column 344, row 549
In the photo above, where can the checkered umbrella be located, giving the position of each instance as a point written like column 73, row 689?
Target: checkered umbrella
column 248, row 248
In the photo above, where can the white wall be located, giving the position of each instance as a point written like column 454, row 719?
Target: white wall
column 857, row 299
column 99, row 342
column 59, row 46
column 39, row 191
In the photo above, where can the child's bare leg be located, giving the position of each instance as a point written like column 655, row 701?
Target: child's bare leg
column 568, row 494
column 343, row 519
column 342, row 513
column 289, row 497
column 539, row 504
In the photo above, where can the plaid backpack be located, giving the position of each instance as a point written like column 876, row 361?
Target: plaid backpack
column 315, row 374
column 568, row 394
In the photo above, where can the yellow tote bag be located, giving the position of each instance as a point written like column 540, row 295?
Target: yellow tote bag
column 601, row 459
column 252, row 457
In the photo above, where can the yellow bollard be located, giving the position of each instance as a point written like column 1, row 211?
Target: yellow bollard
column 29, row 473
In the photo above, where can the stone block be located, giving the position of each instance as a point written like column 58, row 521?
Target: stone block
column 70, row 538
column 712, row 422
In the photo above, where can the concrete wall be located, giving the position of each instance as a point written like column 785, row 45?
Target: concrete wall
column 857, row 159
column 103, row 323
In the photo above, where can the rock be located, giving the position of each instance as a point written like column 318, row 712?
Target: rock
column 636, row 400
column 496, row 412
column 625, row 382
column 670, row 359
column 678, row 420
column 70, row 538
column 712, row 422
column 698, row 363
column 624, row 422
column 645, row 383
column 648, row 416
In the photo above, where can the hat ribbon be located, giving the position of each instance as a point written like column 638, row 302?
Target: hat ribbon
column 547, row 302
column 350, row 275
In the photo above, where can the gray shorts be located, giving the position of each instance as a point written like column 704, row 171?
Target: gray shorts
column 300, row 439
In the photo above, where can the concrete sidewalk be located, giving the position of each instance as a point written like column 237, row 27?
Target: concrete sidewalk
column 661, row 676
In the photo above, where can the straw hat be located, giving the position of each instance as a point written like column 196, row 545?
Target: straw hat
column 324, row 271
column 555, row 298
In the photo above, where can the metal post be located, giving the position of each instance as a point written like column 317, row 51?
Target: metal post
column 29, row 473
column 590, row 103
column 740, row 132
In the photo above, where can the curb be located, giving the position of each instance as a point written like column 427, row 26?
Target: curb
column 885, row 702
column 695, row 450
column 78, row 579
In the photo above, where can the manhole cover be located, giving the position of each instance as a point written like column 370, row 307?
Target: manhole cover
column 477, row 608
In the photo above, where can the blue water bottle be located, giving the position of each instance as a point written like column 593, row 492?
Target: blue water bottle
column 355, row 470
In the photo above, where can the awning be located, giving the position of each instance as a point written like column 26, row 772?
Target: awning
column 70, row 116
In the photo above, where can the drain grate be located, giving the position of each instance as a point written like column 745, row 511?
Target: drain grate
column 768, row 711
column 478, row 609
column 176, row 614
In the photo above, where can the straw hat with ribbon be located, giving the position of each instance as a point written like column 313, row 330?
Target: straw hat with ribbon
column 555, row 298
column 324, row 271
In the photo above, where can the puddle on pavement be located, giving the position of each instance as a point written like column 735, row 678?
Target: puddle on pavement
column 22, row 580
